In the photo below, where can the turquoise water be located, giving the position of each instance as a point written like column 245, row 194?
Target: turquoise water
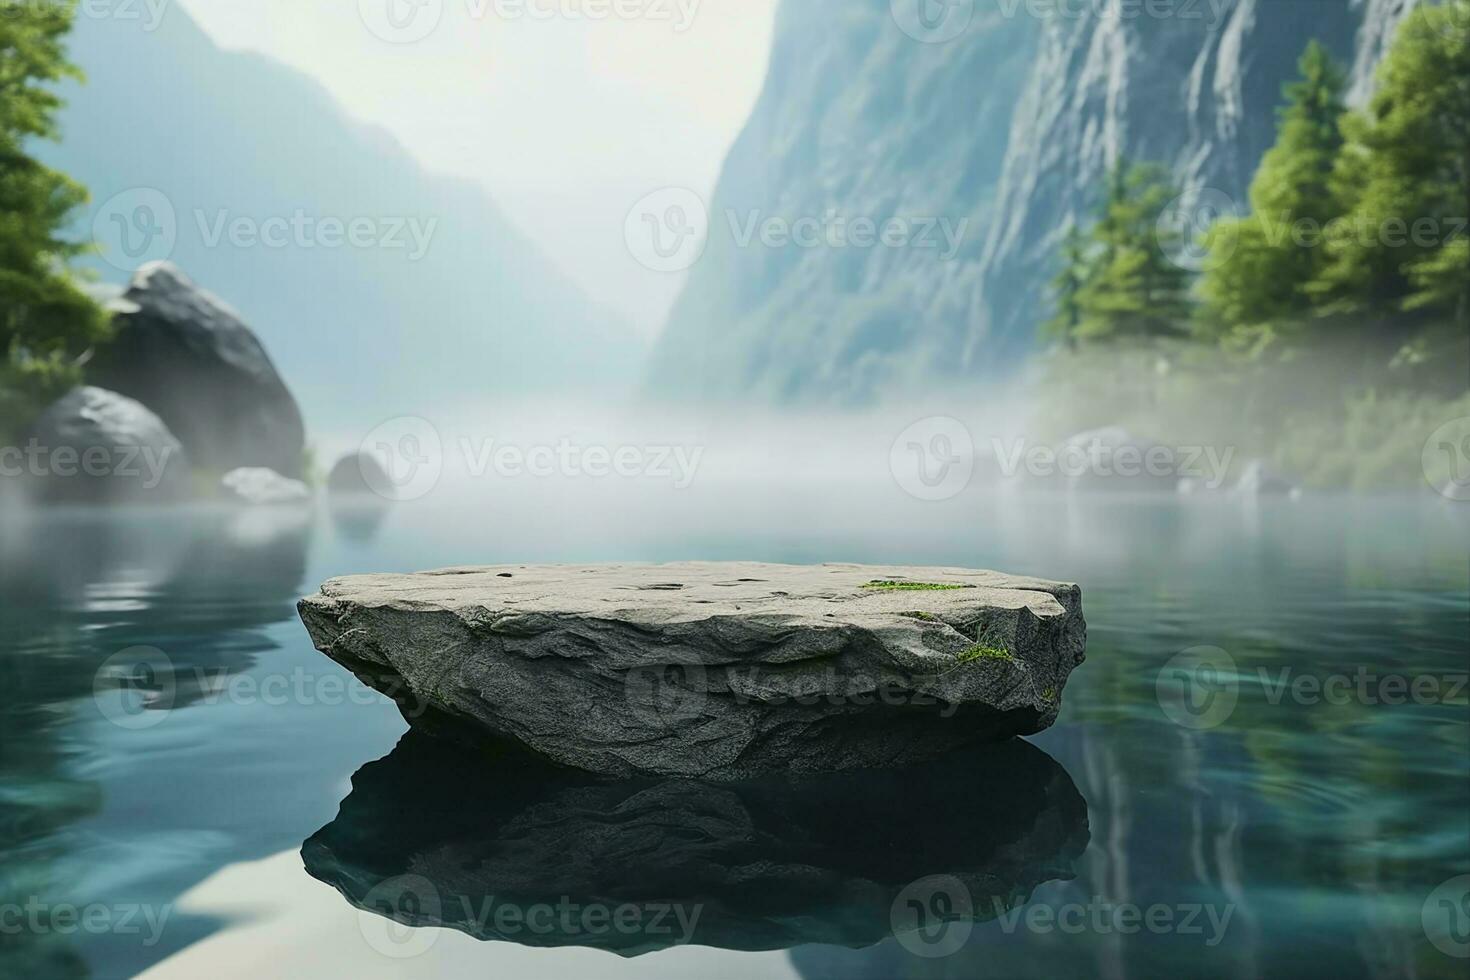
column 1284, row 802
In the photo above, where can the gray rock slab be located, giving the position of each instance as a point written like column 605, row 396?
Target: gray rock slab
column 717, row 670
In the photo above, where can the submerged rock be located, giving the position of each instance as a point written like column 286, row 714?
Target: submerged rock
column 96, row 446
column 263, row 487
column 189, row 357
column 484, row 841
column 720, row 670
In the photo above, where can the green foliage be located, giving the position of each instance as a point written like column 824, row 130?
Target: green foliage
column 28, row 384
column 1067, row 288
column 984, row 651
column 46, row 319
column 1405, row 177
column 1336, row 314
column 1259, row 264
column 1313, row 409
column 1118, row 281
column 889, row 586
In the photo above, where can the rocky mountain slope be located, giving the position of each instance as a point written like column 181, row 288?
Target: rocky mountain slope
column 1004, row 132
column 249, row 177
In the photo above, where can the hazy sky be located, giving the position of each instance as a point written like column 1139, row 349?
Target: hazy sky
column 568, row 120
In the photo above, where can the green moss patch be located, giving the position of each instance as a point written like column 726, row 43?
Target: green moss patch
column 891, row 586
column 984, row 651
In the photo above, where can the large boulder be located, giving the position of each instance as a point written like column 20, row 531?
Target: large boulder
column 189, row 357
column 438, row 836
column 96, row 446
column 710, row 669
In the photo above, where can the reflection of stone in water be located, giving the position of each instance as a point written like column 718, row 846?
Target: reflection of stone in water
column 358, row 518
column 768, row 864
column 79, row 590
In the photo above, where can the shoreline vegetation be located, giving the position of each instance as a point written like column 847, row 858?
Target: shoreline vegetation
column 1327, row 327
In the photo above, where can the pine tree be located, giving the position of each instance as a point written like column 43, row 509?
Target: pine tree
column 1067, row 288
column 1407, row 167
column 46, row 320
column 1260, row 264
column 1133, row 289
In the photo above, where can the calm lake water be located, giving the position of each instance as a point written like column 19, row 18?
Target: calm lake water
column 1245, row 779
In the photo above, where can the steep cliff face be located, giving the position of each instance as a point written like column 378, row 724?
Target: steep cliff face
column 858, row 122
column 1003, row 132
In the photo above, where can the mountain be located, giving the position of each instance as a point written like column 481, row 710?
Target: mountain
column 1005, row 130
column 252, row 177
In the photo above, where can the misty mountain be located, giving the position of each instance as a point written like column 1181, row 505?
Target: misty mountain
column 858, row 120
column 378, row 288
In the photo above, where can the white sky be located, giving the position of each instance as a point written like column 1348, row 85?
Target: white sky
column 566, row 120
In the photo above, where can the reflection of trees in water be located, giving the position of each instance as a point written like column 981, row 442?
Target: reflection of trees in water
column 1322, row 827
column 77, row 588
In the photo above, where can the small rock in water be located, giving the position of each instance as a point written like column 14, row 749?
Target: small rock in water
column 263, row 487
column 711, row 669
column 358, row 475
column 1259, row 479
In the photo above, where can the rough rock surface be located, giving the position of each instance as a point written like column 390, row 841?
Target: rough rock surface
column 435, row 835
column 857, row 121
column 720, row 670
column 97, row 446
column 189, row 358
column 259, row 486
